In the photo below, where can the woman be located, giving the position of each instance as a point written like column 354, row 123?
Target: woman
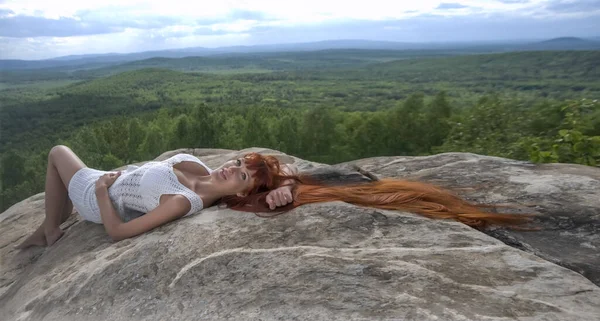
column 142, row 198
column 159, row 192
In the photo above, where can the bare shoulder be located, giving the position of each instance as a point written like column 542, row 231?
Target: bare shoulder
column 191, row 167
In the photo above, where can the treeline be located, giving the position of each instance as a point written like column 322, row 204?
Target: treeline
column 543, row 132
column 36, row 117
column 25, row 72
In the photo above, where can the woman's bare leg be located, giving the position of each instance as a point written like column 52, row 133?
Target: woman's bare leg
column 38, row 238
column 67, row 210
column 62, row 165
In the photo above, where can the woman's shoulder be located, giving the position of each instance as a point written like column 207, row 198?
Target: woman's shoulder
column 183, row 157
column 180, row 158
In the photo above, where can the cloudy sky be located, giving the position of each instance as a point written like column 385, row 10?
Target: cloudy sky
column 38, row 29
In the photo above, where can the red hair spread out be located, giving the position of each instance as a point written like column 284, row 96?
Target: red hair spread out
column 389, row 194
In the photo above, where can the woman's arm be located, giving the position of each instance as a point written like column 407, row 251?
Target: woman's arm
column 118, row 230
column 110, row 218
column 282, row 195
column 289, row 169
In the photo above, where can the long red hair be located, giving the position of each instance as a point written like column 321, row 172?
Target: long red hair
column 389, row 194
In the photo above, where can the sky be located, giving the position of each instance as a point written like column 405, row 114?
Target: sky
column 41, row 29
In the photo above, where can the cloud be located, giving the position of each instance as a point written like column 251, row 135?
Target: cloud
column 111, row 16
column 514, row 1
column 436, row 28
column 239, row 14
column 447, row 6
column 113, row 19
column 28, row 26
column 561, row 6
column 111, row 27
column 125, row 42
column 6, row 12
column 207, row 31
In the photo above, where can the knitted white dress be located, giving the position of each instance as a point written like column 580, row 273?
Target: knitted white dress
column 136, row 192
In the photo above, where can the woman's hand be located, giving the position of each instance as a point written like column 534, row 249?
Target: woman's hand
column 106, row 180
column 279, row 197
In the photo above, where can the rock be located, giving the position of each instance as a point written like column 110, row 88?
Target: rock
column 566, row 197
column 330, row 261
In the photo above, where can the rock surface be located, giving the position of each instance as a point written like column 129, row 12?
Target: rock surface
column 566, row 197
column 331, row 261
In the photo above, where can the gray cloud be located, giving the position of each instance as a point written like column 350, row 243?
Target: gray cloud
column 422, row 28
column 109, row 20
column 207, row 31
column 26, row 26
column 5, row 12
column 447, row 5
column 562, row 6
column 513, row 1
column 238, row 14
column 112, row 17
column 435, row 28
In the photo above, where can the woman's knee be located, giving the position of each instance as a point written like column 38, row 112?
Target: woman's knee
column 56, row 151
column 65, row 161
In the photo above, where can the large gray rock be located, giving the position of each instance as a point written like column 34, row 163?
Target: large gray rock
column 331, row 261
column 565, row 196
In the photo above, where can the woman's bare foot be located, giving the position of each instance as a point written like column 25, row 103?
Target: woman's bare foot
column 53, row 235
column 38, row 238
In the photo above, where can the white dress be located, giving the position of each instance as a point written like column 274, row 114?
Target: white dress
column 136, row 192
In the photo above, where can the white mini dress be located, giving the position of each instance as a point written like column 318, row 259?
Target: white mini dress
column 136, row 192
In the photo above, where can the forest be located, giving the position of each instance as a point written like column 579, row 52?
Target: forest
column 330, row 107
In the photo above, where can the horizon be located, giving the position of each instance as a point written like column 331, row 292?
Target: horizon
column 513, row 41
column 33, row 30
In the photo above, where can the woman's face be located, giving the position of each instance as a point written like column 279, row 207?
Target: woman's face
column 233, row 177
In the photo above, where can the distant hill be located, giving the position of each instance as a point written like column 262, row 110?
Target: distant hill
column 225, row 63
column 564, row 43
column 265, row 61
column 94, row 61
column 76, row 62
column 513, row 67
column 564, row 40
column 100, row 60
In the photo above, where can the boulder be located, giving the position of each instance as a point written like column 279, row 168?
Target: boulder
column 565, row 197
column 329, row 261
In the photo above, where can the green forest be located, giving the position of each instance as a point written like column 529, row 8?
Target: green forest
column 328, row 107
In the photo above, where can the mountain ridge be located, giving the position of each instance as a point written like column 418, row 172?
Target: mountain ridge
column 564, row 43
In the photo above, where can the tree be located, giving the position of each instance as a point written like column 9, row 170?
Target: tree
column 285, row 133
column 136, row 135
column 256, row 131
column 13, row 169
column 232, row 133
column 115, row 134
column 407, row 128
column 203, row 128
column 183, row 133
column 438, row 120
column 318, row 134
column 110, row 162
column 368, row 136
column 154, row 143
column 489, row 128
